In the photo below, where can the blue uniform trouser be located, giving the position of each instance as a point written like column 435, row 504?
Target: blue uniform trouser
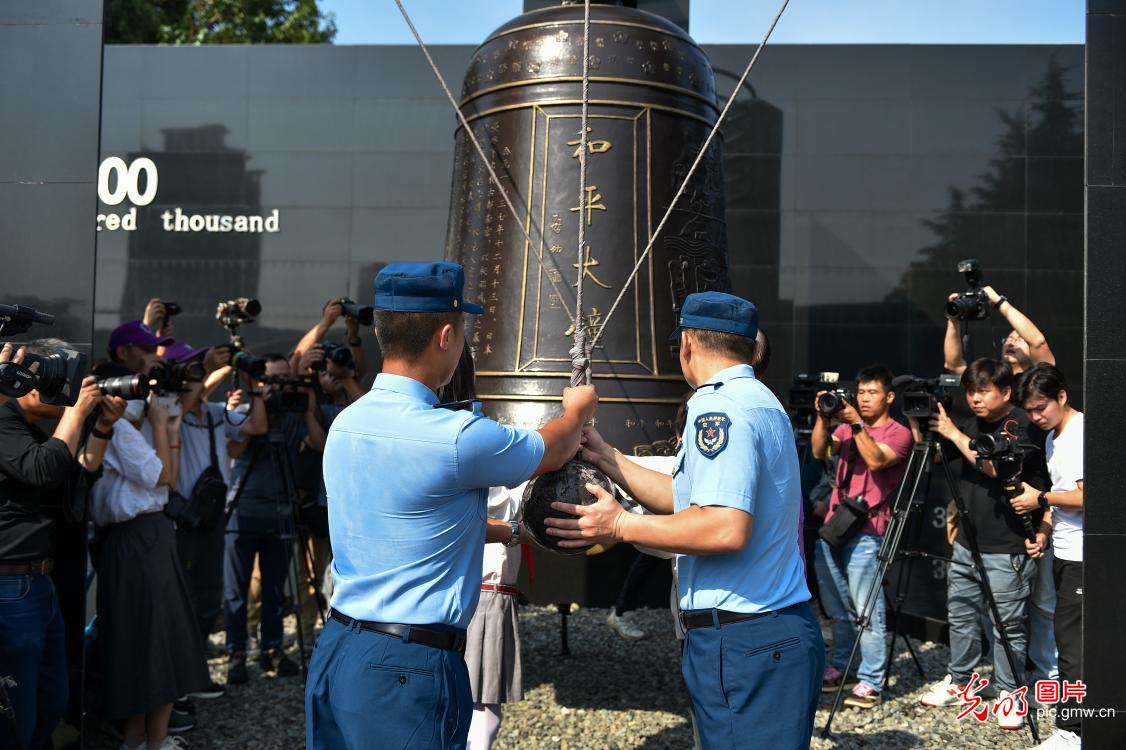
column 757, row 681
column 368, row 690
column 1010, row 578
column 33, row 655
column 845, row 577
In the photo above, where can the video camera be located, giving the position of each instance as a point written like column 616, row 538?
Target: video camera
column 365, row 314
column 971, row 304
column 803, row 400
column 58, row 376
column 1007, row 454
column 234, row 312
column 243, row 361
column 338, row 354
column 173, row 379
column 921, row 397
column 288, row 396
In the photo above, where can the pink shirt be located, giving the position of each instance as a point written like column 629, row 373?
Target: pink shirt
column 877, row 487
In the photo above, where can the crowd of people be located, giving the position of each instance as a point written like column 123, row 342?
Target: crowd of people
column 242, row 491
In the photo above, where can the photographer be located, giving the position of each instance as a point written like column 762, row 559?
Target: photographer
column 40, row 476
column 150, row 650
column 1021, row 349
column 333, row 311
column 1000, row 537
column 1043, row 392
column 872, row 447
column 260, row 515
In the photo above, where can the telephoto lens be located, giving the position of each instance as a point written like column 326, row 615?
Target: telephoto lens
column 365, row 314
column 59, row 377
column 128, row 387
column 253, row 366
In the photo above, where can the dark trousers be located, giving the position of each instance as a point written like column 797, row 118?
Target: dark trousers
column 756, row 682
column 33, row 654
column 367, row 690
column 201, row 557
column 1069, row 633
column 639, row 572
column 245, row 538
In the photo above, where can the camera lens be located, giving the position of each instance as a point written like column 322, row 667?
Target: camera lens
column 830, row 403
column 125, row 386
column 253, row 366
column 363, row 313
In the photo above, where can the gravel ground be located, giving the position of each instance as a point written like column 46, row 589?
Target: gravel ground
column 608, row 694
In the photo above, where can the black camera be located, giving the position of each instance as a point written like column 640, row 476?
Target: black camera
column 243, row 361
column 971, row 304
column 173, row 379
column 235, row 312
column 287, row 397
column 1007, row 454
column 59, row 376
column 15, row 319
column 921, row 397
column 365, row 314
column 803, row 393
column 833, row 402
column 338, row 354
column 129, row 387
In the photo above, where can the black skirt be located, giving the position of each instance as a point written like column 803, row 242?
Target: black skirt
column 151, row 650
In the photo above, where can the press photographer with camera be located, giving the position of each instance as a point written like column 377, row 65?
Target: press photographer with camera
column 872, row 447
column 42, row 483
column 355, row 316
column 1023, row 347
column 150, row 648
column 260, row 513
column 1000, row 535
column 1042, row 390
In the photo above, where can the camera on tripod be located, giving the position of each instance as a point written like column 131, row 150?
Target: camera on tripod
column 365, row 314
column 971, row 304
column 287, row 395
column 58, row 376
column 803, row 400
column 921, row 397
column 338, row 354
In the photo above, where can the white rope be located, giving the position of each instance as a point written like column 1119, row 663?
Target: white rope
column 580, row 355
column 484, row 158
column 687, row 177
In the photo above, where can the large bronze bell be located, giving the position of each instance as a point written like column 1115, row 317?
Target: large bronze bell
column 652, row 103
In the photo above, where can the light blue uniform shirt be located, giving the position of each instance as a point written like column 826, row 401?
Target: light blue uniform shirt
column 738, row 451
column 407, row 486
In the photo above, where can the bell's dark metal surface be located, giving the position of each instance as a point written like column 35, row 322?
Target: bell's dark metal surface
column 652, row 103
column 569, row 485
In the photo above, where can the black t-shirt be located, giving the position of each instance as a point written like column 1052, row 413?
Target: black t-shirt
column 36, row 474
column 999, row 528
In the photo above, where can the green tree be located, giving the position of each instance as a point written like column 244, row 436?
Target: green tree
column 217, row 22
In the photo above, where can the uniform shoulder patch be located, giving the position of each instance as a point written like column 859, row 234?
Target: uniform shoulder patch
column 712, row 433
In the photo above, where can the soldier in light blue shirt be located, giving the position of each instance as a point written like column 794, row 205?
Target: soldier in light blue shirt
column 753, row 655
column 407, row 483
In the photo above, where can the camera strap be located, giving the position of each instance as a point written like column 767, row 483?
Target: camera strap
column 211, row 437
column 233, row 504
column 850, row 467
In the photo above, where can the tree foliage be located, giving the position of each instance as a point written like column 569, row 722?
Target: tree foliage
column 217, row 22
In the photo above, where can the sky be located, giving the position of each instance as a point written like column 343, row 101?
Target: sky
column 745, row 21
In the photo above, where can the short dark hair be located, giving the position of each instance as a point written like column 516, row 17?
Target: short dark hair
column 681, row 420
column 43, row 347
column 1043, row 379
column 875, row 374
column 761, row 361
column 405, row 335
column 984, row 372
column 737, row 347
column 462, row 386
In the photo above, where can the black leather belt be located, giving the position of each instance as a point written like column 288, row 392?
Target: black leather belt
column 35, row 568
column 420, row 634
column 710, row 618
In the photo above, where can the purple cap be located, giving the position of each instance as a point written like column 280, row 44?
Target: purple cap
column 181, row 352
column 136, row 333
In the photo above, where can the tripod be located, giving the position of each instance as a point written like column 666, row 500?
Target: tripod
column 918, row 467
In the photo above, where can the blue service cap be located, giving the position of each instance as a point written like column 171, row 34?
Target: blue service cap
column 422, row 287
column 717, row 311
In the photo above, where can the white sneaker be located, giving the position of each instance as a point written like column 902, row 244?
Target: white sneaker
column 623, row 626
column 174, row 743
column 944, row 693
column 1007, row 716
column 1061, row 740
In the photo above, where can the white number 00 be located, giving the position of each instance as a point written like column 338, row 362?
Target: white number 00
column 126, row 179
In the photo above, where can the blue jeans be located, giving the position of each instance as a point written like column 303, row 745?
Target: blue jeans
column 1010, row 578
column 1041, row 622
column 756, row 683
column 368, row 690
column 33, row 654
column 247, row 537
column 844, row 578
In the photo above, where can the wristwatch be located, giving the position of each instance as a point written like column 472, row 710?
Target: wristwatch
column 856, row 427
column 514, row 538
column 1000, row 301
column 102, row 435
column 1042, row 498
